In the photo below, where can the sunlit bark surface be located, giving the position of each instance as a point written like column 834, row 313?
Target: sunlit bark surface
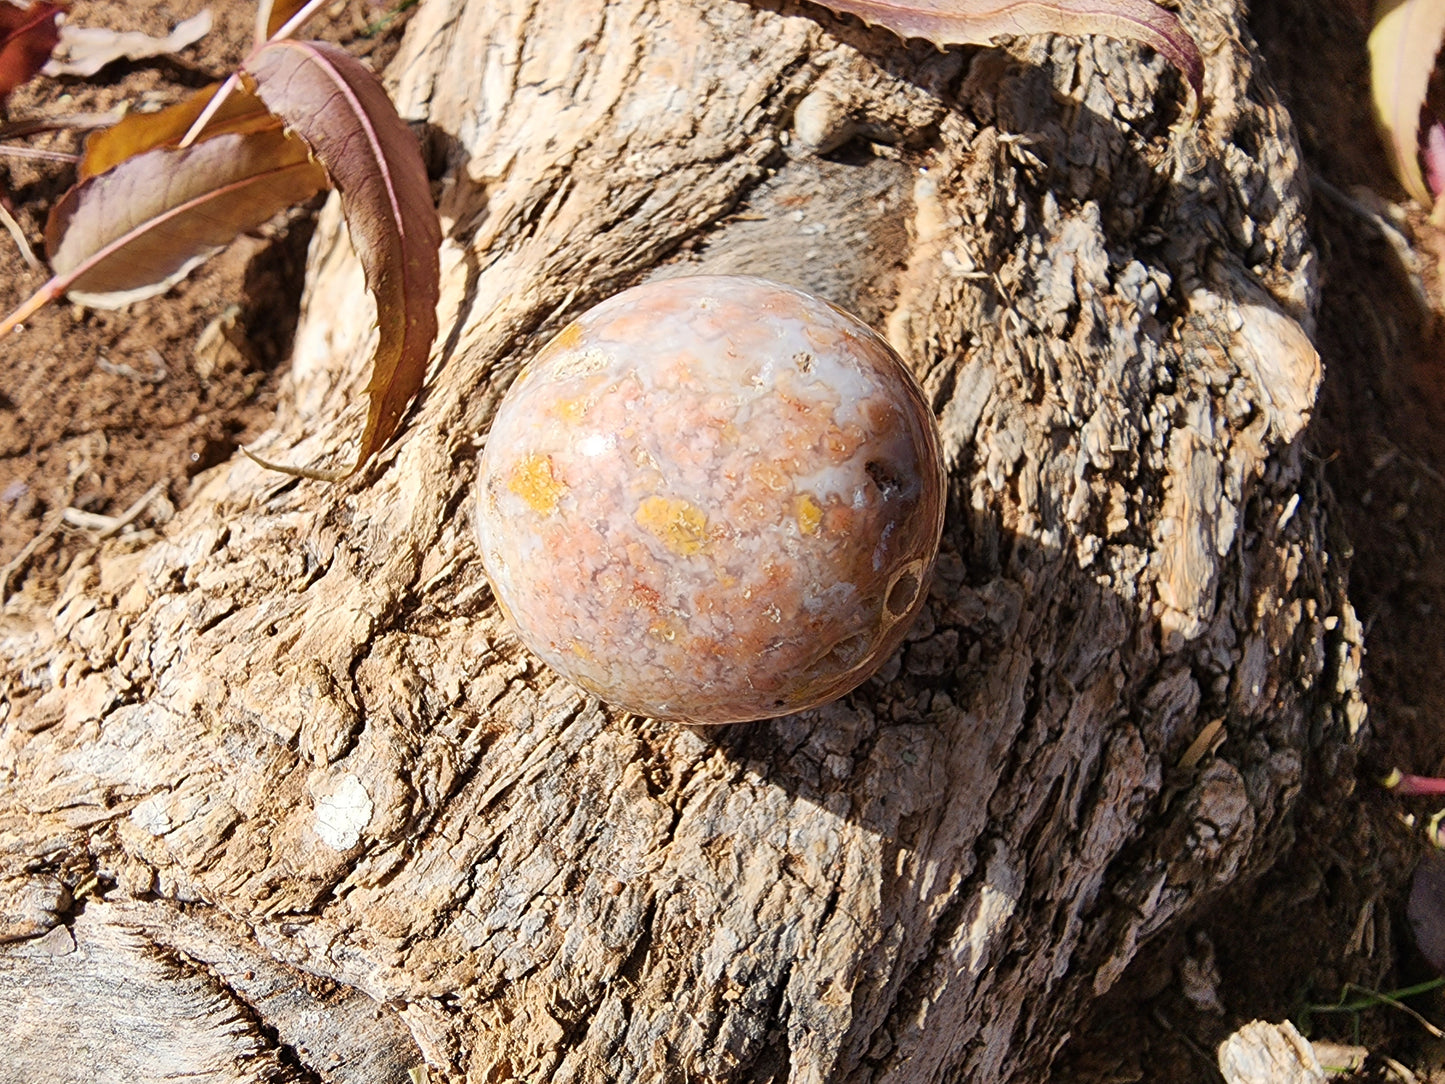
column 278, row 787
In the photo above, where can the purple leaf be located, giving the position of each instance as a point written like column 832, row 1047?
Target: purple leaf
column 981, row 22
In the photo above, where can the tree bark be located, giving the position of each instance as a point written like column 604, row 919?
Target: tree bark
column 292, row 739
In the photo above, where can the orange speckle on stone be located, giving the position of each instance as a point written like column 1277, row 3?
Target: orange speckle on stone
column 769, row 477
column 676, row 524
column 838, row 519
column 645, row 596
column 809, row 513
column 533, row 481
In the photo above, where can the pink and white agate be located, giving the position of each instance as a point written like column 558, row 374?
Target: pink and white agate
column 712, row 499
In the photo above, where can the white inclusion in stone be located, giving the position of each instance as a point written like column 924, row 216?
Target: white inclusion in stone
column 596, row 444
column 343, row 814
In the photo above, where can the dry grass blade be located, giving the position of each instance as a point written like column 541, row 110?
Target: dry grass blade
column 980, row 22
column 1404, row 43
column 333, row 102
column 132, row 232
column 27, row 37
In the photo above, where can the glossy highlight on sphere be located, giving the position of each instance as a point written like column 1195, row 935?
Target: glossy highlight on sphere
column 712, row 499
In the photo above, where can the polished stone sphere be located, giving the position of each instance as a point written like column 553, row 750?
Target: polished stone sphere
column 712, row 499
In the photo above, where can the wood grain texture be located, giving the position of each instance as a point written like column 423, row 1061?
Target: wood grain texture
column 299, row 709
column 144, row 991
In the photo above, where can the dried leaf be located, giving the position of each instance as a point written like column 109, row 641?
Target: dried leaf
column 1403, row 45
column 272, row 15
column 981, row 22
column 84, row 50
column 331, row 100
column 133, row 232
column 139, row 132
column 27, row 38
column 1426, row 909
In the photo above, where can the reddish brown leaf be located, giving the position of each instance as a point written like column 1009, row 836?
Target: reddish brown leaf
column 331, row 100
column 27, row 37
column 134, row 231
column 981, row 22
column 139, row 132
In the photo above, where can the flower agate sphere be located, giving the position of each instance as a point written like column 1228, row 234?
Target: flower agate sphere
column 712, row 499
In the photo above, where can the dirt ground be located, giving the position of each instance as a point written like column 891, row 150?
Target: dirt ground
column 99, row 410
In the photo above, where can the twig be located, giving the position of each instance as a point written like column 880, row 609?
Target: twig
column 155, row 376
column 33, row 304
column 1404, row 1074
column 312, row 473
column 1383, row 226
column 70, row 122
column 40, row 153
column 45, row 535
column 18, row 236
column 1372, row 998
column 110, row 526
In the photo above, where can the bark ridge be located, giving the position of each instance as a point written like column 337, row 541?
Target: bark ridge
column 297, row 715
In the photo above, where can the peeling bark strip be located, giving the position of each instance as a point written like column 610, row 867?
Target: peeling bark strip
column 300, row 710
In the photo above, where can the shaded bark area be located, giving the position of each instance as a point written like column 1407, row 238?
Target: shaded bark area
column 298, row 719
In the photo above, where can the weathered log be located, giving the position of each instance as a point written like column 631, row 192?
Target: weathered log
column 297, row 720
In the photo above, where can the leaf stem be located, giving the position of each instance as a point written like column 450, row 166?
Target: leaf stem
column 218, row 99
column 289, row 27
column 293, row 24
column 33, row 304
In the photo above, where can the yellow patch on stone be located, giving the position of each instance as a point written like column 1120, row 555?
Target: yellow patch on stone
column 533, row 481
column 569, row 338
column 809, row 513
column 573, row 410
column 678, row 525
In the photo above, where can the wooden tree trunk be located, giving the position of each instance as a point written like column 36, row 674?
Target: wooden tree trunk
column 284, row 799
